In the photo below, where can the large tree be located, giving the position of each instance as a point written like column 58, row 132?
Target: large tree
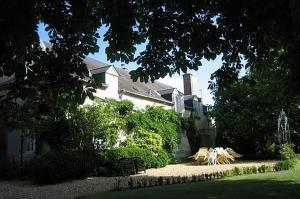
column 247, row 109
column 178, row 34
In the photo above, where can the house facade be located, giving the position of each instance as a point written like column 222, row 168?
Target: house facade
column 114, row 82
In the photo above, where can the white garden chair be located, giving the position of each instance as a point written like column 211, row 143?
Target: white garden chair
column 211, row 157
column 223, row 156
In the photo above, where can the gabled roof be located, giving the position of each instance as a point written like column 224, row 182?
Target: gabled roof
column 138, row 88
column 152, row 90
column 99, row 70
column 93, row 64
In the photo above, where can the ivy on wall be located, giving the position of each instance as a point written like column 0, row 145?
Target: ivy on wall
column 166, row 123
column 97, row 126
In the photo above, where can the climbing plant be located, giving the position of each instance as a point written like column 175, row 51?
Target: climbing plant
column 163, row 122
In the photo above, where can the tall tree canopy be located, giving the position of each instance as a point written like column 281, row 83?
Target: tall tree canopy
column 178, row 34
column 247, row 109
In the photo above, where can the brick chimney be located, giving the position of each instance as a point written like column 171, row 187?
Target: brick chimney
column 187, row 84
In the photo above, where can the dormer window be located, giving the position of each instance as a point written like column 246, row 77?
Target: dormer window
column 100, row 80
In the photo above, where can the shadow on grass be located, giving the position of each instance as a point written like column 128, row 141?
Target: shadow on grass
column 225, row 188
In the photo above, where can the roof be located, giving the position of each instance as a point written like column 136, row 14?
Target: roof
column 99, row 70
column 152, row 90
column 93, row 64
column 139, row 88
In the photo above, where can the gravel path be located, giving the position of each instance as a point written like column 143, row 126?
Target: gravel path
column 69, row 190
column 190, row 169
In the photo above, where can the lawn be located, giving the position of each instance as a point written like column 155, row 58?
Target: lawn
column 268, row 185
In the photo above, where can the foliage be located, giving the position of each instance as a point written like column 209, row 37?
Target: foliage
column 246, row 111
column 97, row 126
column 286, row 151
column 237, row 171
column 285, row 165
column 55, row 167
column 197, row 29
column 162, row 158
column 100, row 121
column 177, row 35
column 193, row 135
column 124, row 107
column 144, row 139
column 87, row 127
column 160, row 121
column 10, row 169
column 280, row 184
column 151, row 159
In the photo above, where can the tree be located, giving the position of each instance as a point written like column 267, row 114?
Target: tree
column 178, row 34
column 246, row 111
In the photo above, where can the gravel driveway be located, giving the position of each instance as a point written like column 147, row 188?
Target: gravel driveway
column 69, row 190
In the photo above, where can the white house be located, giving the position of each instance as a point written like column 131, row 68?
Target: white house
column 114, row 82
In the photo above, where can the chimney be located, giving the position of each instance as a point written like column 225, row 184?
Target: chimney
column 187, row 84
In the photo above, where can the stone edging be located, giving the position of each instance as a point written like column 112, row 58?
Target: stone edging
column 133, row 182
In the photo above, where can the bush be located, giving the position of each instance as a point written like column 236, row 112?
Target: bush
column 237, row 171
column 262, row 169
column 58, row 166
column 286, row 151
column 193, row 134
column 151, row 159
column 228, row 173
column 145, row 139
column 254, row 169
column 247, row 170
column 10, row 169
column 163, row 122
column 162, row 158
column 285, row 165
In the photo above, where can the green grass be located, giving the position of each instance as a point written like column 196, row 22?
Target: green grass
column 283, row 185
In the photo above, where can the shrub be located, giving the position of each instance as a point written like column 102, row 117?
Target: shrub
column 160, row 121
column 286, row 151
column 237, row 171
column 270, row 149
column 254, row 169
column 124, row 107
column 262, row 169
column 162, row 158
column 247, row 170
column 58, row 166
column 10, row 169
column 151, row 159
column 285, row 165
column 228, row 173
column 145, row 139
column 96, row 125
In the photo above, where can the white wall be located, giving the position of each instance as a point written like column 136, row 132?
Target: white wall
column 111, row 79
column 141, row 103
column 183, row 149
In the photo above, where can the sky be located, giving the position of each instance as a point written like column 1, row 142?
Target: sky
column 200, row 77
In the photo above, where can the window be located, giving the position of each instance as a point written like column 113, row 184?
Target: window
column 29, row 144
column 99, row 78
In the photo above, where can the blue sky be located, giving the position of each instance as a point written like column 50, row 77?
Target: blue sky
column 201, row 76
